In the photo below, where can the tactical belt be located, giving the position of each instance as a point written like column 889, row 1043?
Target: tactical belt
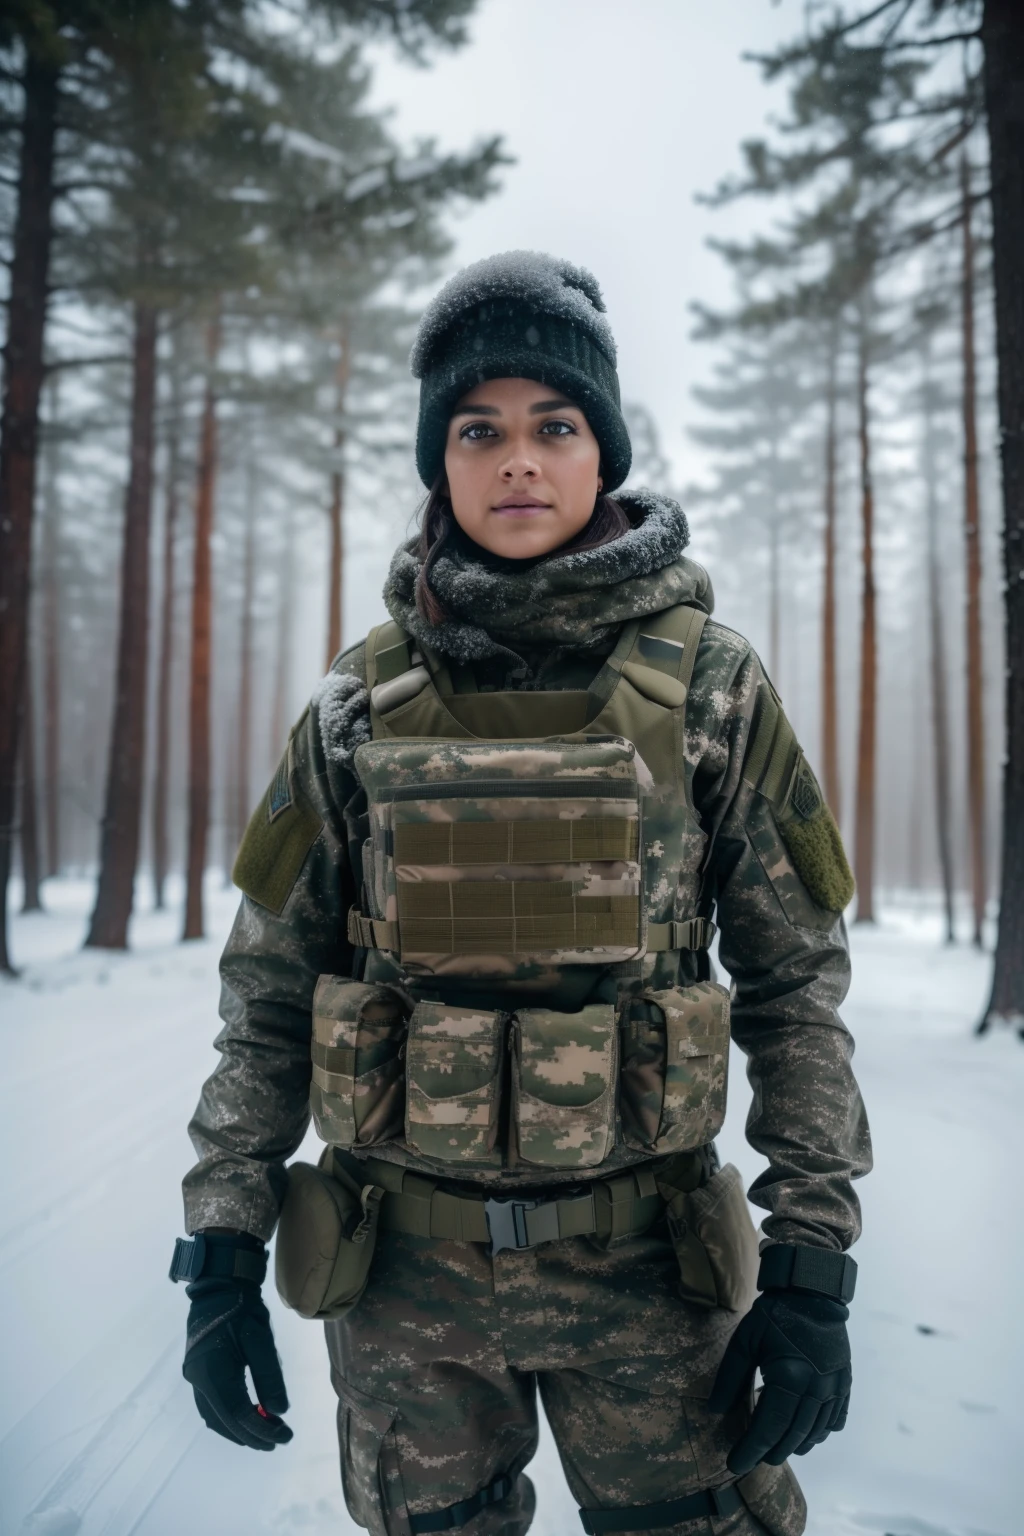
column 695, row 933
column 460, row 1514
column 650, row 1517
column 612, row 1210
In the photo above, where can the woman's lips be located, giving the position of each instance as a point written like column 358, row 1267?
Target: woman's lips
column 521, row 508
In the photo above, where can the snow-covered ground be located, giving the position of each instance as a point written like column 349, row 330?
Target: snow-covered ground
column 103, row 1056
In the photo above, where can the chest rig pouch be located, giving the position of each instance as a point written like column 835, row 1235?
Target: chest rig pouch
column 521, row 1002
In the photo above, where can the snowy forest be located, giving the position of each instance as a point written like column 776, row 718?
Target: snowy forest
column 217, row 237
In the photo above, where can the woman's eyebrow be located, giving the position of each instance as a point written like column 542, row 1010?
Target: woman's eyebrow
column 551, row 405
column 476, row 410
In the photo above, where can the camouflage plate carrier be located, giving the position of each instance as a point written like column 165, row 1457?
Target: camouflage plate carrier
column 520, row 1004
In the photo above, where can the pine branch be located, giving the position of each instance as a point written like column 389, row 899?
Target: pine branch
column 908, row 44
column 62, row 364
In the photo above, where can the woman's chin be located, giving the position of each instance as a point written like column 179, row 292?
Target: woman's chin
column 521, row 538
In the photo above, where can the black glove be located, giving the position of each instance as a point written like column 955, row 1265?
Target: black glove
column 228, row 1329
column 799, row 1342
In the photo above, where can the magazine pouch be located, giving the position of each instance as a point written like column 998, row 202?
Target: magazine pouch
column 675, row 1063
column 454, row 1076
column 357, row 1090
column 564, row 1069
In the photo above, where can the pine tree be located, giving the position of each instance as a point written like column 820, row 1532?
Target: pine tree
column 762, row 399
column 36, row 30
column 1003, row 42
column 987, row 38
column 842, row 102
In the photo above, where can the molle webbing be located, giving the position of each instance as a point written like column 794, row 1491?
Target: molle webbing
column 516, row 842
column 510, row 917
column 696, row 933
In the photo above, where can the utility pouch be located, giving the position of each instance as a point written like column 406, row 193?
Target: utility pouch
column 454, row 1077
column 564, row 1068
column 773, row 1496
column 357, row 1090
column 325, row 1240
column 675, row 1067
column 714, row 1240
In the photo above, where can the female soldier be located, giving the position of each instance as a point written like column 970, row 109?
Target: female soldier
column 473, row 937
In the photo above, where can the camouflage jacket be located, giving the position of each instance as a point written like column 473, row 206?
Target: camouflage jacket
column 786, row 954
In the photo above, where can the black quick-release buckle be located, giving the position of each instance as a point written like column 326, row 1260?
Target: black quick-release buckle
column 189, row 1258
column 222, row 1259
column 653, row 1517
column 458, row 1515
column 506, row 1222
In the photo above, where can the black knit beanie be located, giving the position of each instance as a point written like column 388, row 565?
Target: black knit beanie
column 519, row 315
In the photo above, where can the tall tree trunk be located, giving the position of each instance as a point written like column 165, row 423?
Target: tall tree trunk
column 937, row 668
column 829, row 680
column 122, row 816
column 864, row 835
column 243, row 739
column 19, row 424
column 202, row 612
column 51, row 644
column 774, row 601
column 1003, row 42
column 162, row 767
column 336, row 513
column 972, row 540
column 336, row 573
column 30, row 867
column 283, row 649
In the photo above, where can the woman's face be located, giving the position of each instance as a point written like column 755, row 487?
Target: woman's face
column 522, row 467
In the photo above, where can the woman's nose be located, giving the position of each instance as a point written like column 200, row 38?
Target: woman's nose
column 519, row 461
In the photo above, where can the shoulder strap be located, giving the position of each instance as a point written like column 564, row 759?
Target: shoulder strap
column 388, row 653
column 670, row 639
column 660, row 659
column 655, row 654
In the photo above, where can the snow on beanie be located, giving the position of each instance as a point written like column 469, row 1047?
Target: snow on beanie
column 519, row 315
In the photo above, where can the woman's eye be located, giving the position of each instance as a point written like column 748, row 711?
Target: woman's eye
column 475, row 431
column 558, row 429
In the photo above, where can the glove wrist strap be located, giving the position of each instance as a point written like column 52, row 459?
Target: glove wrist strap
column 787, row 1266
column 200, row 1258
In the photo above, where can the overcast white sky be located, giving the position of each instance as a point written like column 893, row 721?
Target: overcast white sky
column 618, row 112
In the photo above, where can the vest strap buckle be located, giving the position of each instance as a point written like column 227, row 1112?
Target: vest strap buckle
column 506, row 1222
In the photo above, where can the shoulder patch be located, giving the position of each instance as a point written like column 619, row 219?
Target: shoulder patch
column 281, row 831
column 813, row 841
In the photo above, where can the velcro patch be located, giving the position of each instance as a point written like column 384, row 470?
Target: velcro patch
column 281, row 831
column 814, row 843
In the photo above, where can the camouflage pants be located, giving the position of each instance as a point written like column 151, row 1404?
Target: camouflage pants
column 438, row 1367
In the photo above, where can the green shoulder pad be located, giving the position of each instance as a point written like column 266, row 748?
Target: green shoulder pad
column 813, row 840
column 281, row 831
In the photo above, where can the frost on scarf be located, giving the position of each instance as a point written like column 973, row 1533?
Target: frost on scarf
column 344, row 709
column 552, row 286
